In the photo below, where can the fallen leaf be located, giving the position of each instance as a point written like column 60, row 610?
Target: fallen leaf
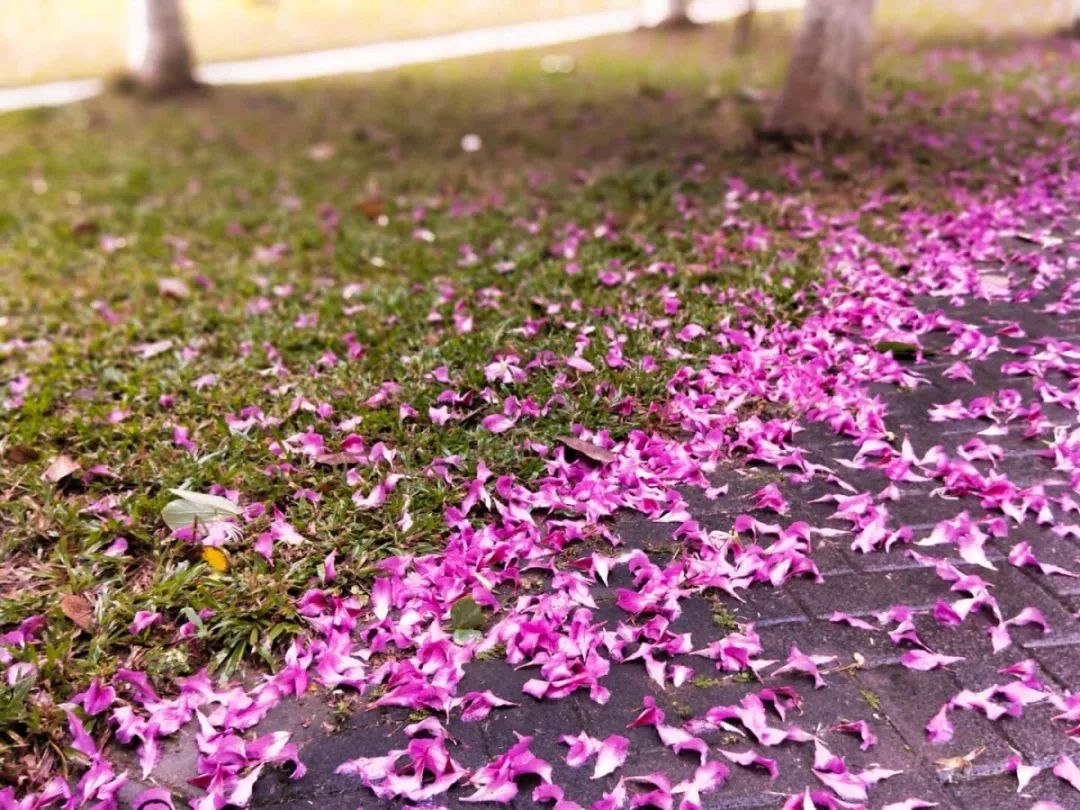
column 173, row 288
column 466, row 614
column 898, row 348
column 951, row 765
column 60, row 467
column 196, row 507
column 587, row 449
column 84, row 226
column 215, row 558
column 465, row 636
column 372, row 208
column 21, row 454
column 77, row 608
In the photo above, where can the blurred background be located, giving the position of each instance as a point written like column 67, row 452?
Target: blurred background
column 50, row 40
column 47, row 40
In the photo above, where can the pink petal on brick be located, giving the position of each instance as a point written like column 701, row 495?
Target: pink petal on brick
column 611, row 755
column 1067, row 769
column 1024, row 773
column 939, row 729
column 924, row 661
column 751, row 758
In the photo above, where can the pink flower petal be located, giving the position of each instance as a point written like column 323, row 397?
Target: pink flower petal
column 1067, row 769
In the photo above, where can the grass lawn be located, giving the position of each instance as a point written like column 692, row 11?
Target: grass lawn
column 235, row 291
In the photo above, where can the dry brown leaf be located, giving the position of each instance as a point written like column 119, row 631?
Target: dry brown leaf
column 372, row 209
column 59, row 468
column 336, row 459
column 587, row 449
column 21, row 454
column 84, row 226
column 961, row 763
column 78, row 608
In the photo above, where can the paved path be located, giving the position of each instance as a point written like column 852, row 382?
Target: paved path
column 380, row 56
column 865, row 682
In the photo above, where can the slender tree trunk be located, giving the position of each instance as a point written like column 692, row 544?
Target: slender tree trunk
column 159, row 57
column 823, row 92
column 666, row 13
column 1074, row 22
column 744, row 28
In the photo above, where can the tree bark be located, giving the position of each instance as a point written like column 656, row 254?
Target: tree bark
column 158, row 54
column 823, row 92
column 666, row 13
column 744, row 29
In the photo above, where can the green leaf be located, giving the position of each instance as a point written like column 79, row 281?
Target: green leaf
column 898, row 348
column 193, row 617
column 195, row 507
column 208, row 501
column 465, row 636
column 466, row 614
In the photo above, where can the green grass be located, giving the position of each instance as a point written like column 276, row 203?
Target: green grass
column 646, row 129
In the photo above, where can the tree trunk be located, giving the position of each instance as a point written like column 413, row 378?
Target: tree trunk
column 1074, row 23
column 666, row 13
column 744, row 29
column 823, row 92
column 159, row 58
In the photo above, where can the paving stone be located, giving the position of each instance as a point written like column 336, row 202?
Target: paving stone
column 817, row 436
column 1061, row 662
column 741, row 483
column 364, row 734
column 1013, row 591
column 628, row 686
column 1000, row 792
column 1071, row 602
column 697, row 618
column 865, row 593
column 636, row 532
column 918, row 508
column 908, row 408
column 831, row 558
column 826, row 638
column 1030, row 470
column 970, row 641
column 899, row 557
column 1034, row 734
column 909, row 699
column 764, row 606
column 1056, row 551
column 840, row 701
